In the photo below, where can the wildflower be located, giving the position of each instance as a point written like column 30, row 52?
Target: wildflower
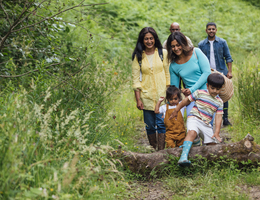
column 81, row 155
column 126, row 143
column 114, row 117
column 51, row 189
column 115, row 73
column 137, row 147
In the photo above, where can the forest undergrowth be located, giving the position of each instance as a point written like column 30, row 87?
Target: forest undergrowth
column 67, row 103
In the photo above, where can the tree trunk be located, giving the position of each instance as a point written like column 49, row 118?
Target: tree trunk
column 244, row 150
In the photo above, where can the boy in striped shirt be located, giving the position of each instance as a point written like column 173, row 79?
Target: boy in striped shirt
column 207, row 102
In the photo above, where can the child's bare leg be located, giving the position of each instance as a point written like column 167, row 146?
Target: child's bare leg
column 191, row 135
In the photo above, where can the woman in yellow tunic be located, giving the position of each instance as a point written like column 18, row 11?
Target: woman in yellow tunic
column 150, row 73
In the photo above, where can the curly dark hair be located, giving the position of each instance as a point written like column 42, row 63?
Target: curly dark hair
column 181, row 39
column 171, row 91
column 140, row 47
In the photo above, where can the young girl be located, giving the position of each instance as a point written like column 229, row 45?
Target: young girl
column 175, row 129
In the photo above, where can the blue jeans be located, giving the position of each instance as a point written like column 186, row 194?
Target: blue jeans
column 153, row 122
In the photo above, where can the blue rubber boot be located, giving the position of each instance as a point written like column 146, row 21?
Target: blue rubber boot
column 184, row 162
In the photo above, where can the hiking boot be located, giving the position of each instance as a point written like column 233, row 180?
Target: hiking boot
column 152, row 140
column 161, row 141
column 226, row 122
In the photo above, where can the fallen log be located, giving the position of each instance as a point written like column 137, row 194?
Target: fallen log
column 243, row 150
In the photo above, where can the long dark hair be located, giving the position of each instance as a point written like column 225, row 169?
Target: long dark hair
column 181, row 39
column 139, row 48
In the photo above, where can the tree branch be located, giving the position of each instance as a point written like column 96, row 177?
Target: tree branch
column 29, row 13
column 47, row 18
column 5, row 13
column 12, row 26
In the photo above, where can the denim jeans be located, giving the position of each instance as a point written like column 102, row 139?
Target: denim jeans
column 153, row 122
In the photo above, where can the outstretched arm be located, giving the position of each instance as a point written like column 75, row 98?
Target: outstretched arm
column 183, row 103
column 204, row 68
column 217, row 125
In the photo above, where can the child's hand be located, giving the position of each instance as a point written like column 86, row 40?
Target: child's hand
column 161, row 99
column 217, row 137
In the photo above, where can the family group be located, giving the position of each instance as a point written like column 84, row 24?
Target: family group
column 161, row 73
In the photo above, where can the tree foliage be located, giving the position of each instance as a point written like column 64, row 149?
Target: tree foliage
column 35, row 38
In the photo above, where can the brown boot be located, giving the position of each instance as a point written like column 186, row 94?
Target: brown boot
column 152, row 140
column 161, row 141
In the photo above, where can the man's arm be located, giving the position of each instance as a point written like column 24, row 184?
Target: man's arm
column 183, row 103
column 228, row 59
column 229, row 74
column 218, row 120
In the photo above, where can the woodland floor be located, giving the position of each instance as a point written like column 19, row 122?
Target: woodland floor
column 155, row 189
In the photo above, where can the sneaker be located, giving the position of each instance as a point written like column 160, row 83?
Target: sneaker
column 226, row 122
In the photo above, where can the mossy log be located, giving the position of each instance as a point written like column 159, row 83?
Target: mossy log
column 243, row 150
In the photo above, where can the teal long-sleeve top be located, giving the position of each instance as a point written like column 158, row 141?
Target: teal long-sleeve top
column 194, row 73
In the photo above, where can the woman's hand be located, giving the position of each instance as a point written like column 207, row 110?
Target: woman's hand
column 186, row 92
column 140, row 104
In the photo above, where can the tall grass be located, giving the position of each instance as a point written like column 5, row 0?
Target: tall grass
column 44, row 153
column 245, row 104
column 248, row 90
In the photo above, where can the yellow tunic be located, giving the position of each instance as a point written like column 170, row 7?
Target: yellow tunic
column 154, row 80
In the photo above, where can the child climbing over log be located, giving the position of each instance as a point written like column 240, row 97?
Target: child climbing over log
column 175, row 129
column 207, row 102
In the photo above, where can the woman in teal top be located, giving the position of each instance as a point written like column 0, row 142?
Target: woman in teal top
column 193, row 68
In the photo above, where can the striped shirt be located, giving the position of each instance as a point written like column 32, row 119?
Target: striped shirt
column 205, row 105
